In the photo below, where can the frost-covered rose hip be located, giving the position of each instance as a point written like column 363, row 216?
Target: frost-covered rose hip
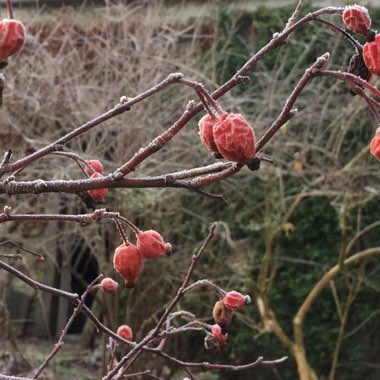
column 206, row 134
column 235, row 301
column 356, row 18
column 108, row 285
column 371, row 55
column 234, row 138
column 151, row 244
column 97, row 195
column 375, row 144
column 127, row 261
column 216, row 331
column 12, row 37
column 125, row 332
column 95, row 165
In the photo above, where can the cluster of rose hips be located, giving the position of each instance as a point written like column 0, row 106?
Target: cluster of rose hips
column 230, row 136
column 128, row 258
column 128, row 263
column 222, row 314
column 226, row 135
column 356, row 18
column 150, row 244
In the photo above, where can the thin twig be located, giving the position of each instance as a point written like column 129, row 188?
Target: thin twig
column 189, row 373
column 372, row 105
column 78, row 218
column 60, row 341
column 296, row 13
column 38, row 255
column 10, row 9
column 286, row 112
column 117, row 110
column 360, row 234
column 321, row 284
column 239, row 77
column 221, row 293
column 77, row 158
column 6, row 158
column 36, row 285
column 358, row 46
column 11, row 256
column 146, row 374
column 343, row 76
column 218, row 197
column 121, row 232
column 213, row 168
column 216, row 366
column 128, row 223
column 205, row 97
column 72, row 297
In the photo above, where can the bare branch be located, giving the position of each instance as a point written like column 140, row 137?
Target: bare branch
column 347, row 77
column 36, row 285
column 60, row 342
column 117, row 110
column 259, row 362
column 286, row 112
column 325, row 280
column 296, row 13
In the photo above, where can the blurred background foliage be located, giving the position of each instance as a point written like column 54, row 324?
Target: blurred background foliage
column 77, row 64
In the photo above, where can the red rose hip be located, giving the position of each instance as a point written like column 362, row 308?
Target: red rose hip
column 151, row 244
column 235, row 301
column 216, row 331
column 375, row 144
column 371, row 55
column 95, row 165
column 206, row 134
column 125, row 332
column 97, row 195
column 127, row 261
column 234, row 138
column 12, row 37
column 108, row 285
column 356, row 18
